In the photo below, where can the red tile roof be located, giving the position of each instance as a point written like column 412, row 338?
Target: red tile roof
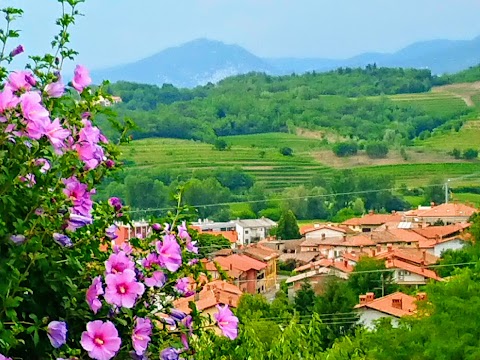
column 445, row 210
column 212, row 294
column 240, row 262
column 396, row 235
column 328, row 263
column 398, row 264
column 314, row 227
column 405, row 304
column 260, row 252
column 412, row 255
column 434, row 232
column 373, row 219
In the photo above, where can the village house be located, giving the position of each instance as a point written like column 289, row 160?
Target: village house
column 448, row 213
column 268, row 256
column 393, row 306
column 317, row 273
column 334, row 247
column 212, row 294
column 405, row 273
column 125, row 232
column 318, row 231
column 247, row 273
column 371, row 221
column 253, row 230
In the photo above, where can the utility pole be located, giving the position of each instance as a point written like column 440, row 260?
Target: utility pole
column 446, row 191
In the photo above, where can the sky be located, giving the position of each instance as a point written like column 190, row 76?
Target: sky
column 114, row 32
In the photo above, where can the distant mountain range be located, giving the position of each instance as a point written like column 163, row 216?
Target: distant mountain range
column 201, row 61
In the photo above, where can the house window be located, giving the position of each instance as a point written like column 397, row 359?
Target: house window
column 246, row 232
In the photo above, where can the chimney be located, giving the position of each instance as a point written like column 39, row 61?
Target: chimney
column 370, row 296
column 345, row 263
column 397, row 303
column 386, row 227
column 432, row 204
column 196, row 297
column 424, row 256
column 316, row 226
column 379, row 248
column 389, row 248
column 231, row 266
column 393, row 212
column 421, row 296
column 373, row 252
column 362, row 299
column 370, row 212
column 230, row 301
column 344, row 237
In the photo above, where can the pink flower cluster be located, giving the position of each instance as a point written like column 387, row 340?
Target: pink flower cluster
column 87, row 147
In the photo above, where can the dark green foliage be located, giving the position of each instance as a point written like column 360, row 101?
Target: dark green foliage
column 471, row 74
column 370, row 276
column 305, row 299
column 470, row 154
column 258, row 103
column 376, row 150
column 220, row 145
column 345, row 149
column 434, row 192
column 208, row 243
column 456, row 153
column 287, row 228
column 286, row 151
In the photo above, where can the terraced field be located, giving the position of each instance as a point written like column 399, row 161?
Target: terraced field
column 436, row 103
column 264, row 162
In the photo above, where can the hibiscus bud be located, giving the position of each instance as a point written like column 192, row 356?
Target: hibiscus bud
column 30, row 79
column 57, row 61
column 109, row 163
column 157, row 227
column 18, row 50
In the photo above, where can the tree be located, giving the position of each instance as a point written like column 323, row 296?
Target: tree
column 369, row 275
column 434, row 192
column 208, row 243
column 287, row 228
column 337, row 298
column 305, row 299
column 343, row 149
column 286, row 151
column 470, row 154
column 456, row 153
column 358, row 207
column 220, row 144
column 376, row 150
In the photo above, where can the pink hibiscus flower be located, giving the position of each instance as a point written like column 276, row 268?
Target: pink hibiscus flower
column 123, row 289
column 81, row 78
column 227, row 322
column 141, row 335
column 101, row 340
column 93, row 292
column 169, row 253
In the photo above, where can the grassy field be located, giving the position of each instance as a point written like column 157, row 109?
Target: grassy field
column 467, row 137
column 265, row 163
column 436, row 103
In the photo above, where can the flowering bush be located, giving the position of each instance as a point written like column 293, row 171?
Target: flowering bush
column 61, row 295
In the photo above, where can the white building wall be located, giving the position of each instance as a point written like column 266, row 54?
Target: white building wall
column 448, row 245
column 246, row 235
column 369, row 316
column 404, row 277
column 318, row 234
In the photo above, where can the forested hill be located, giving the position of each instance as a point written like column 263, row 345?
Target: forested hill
column 346, row 101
